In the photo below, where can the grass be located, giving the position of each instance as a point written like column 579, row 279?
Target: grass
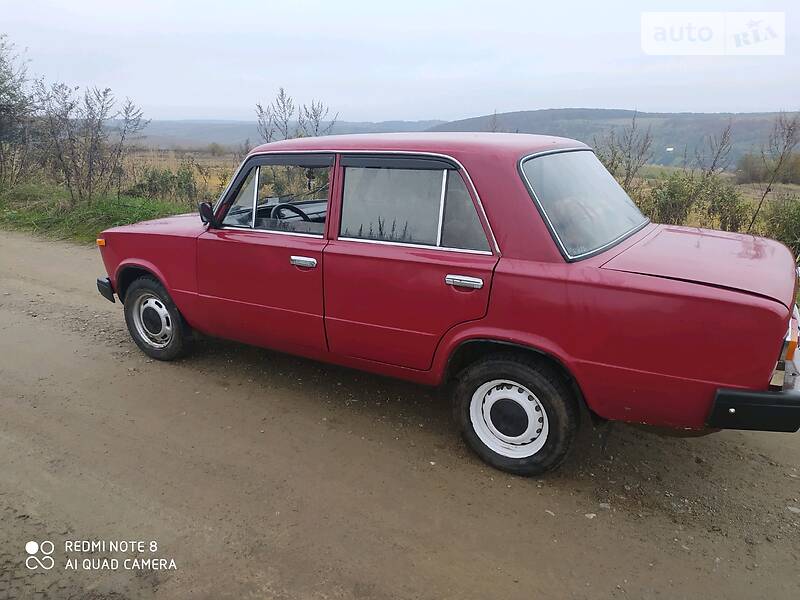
column 46, row 210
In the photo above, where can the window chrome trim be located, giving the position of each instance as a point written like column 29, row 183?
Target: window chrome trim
column 441, row 209
column 420, row 246
column 255, row 196
column 461, row 168
column 543, row 212
column 297, row 233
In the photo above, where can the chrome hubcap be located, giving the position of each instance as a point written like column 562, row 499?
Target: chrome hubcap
column 509, row 418
column 152, row 320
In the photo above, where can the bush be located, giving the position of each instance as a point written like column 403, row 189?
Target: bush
column 725, row 207
column 782, row 221
column 708, row 199
column 670, row 200
column 163, row 184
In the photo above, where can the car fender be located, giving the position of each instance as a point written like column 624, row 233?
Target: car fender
column 467, row 332
column 140, row 263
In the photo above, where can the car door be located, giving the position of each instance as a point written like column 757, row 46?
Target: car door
column 260, row 273
column 411, row 260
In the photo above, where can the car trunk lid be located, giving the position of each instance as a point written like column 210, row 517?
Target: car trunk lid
column 733, row 261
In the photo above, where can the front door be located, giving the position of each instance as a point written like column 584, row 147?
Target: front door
column 260, row 275
column 412, row 259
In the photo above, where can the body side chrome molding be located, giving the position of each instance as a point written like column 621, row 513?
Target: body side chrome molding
column 409, row 245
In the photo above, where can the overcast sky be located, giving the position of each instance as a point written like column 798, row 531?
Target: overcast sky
column 395, row 60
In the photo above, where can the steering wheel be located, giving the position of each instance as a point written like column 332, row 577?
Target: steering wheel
column 276, row 210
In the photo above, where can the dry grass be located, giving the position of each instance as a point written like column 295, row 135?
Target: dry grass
column 214, row 171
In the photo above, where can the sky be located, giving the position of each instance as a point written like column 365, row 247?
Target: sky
column 409, row 60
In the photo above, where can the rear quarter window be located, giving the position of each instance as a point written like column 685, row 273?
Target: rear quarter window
column 586, row 208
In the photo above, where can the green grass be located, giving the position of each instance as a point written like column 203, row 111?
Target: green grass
column 45, row 209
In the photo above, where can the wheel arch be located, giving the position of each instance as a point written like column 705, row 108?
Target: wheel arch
column 473, row 349
column 131, row 270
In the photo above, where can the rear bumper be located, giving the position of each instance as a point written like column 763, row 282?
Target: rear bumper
column 105, row 288
column 759, row 411
column 776, row 410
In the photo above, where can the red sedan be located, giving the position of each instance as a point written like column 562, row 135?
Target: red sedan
column 511, row 267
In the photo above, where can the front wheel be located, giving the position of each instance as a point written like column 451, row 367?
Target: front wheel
column 517, row 415
column 153, row 320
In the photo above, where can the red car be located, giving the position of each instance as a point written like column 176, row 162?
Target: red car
column 512, row 267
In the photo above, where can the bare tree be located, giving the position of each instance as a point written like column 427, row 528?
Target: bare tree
column 625, row 154
column 276, row 120
column 242, row 150
column 311, row 119
column 86, row 136
column 265, row 123
column 776, row 153
column 716, row 156
column 16, row 112
column 493, row 126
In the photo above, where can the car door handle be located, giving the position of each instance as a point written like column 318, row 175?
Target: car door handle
column 303, row 261
column 464, row 281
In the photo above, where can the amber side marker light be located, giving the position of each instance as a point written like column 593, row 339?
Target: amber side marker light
column 101, row 242
column 791, row 346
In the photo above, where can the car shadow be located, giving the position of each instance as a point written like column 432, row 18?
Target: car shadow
column 720, row 482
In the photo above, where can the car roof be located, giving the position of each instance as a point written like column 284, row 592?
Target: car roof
column 455, row 144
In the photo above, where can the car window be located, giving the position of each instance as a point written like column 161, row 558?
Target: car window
column 461, row 227
column 292, row 198
column 240, row 214
column 394, row 205
column 586, row 208
column 405, row 205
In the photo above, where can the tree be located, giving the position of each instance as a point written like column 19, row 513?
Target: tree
column 494, row 125
column 311, row 120
column 716, row 158
column 276, row 120
column 776, row 154
column 16, row 117
column 85, row 136
column 625, row 154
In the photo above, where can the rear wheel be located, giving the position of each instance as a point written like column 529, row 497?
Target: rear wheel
column 517, row 415
column 153, row 320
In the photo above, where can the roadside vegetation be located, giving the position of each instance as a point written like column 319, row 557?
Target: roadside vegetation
column 759, row 194
column 72, row 164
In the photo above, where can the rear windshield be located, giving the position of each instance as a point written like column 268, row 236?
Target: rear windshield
column 585, row 206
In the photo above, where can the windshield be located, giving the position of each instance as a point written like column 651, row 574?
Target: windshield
column 586, row 207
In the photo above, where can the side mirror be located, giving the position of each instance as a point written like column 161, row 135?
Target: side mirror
column 207, row 214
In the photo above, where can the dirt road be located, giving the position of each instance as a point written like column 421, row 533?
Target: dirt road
column 267, row 476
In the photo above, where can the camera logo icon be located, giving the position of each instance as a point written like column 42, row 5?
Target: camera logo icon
column 39, row 555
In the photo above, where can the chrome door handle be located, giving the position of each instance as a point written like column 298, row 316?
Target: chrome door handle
column 303, row 261
column 464, row 281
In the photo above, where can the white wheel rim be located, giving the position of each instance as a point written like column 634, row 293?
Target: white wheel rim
column 508, row 418
column 152, row 320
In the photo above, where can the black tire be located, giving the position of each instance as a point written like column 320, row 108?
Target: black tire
column 553, row 394
column 179, row 341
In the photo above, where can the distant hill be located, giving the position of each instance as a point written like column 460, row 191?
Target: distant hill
column 680, row 131
column 683, row 132
column 201, row 133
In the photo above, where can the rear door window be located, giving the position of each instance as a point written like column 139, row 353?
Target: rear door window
column 423, row 206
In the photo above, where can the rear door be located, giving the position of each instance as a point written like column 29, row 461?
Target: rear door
column 260, row 275
column 411, row 259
